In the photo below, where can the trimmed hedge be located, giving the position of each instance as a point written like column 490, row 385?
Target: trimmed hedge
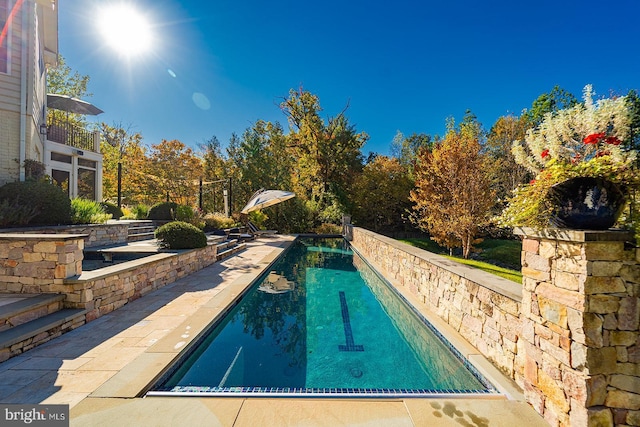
column 51, row 203
column 181, row 235
column 113, row 210
column 163, row 211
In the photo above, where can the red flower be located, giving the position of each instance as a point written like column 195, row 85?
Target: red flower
column 545, row 153
column 533, row 181
column 612, row 140
column 594, row 138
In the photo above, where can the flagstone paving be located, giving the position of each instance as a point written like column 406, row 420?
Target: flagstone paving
column 100, row 369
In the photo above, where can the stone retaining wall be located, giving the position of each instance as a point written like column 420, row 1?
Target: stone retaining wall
column 102, row 292
column 48, row 263
column 483, row 308
column 94, row 234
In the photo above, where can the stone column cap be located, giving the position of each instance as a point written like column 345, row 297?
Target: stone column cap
column 569, row 235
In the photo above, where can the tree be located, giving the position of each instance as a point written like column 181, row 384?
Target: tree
column 406, row 149
column 633, row 102
column 327, row 154
column 123, row 156
column 471, row 127
column 452, row 195
column 65, row 81
column 381, row 195
column 215, row 179
column 557, row 99
column 260, row 159
column 176, row 171
column 505, row 173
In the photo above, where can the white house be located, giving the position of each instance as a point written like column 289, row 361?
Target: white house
column 28, row 45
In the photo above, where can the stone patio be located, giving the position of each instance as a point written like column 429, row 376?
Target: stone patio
column 102, row 368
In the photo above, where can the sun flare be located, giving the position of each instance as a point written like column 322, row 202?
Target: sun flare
column 125, row 29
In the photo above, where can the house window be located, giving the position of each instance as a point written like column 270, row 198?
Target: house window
column 87, row 184
column 64, row 158
column 4, row 36
column 61, row 179
column 87, row 163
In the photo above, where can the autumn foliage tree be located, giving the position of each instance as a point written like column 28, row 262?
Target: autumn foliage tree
column 504, row 172
column 452, row 194
column 381, row 195
column 120, row 145
column 176, row 171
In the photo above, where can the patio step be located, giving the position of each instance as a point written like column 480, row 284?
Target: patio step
column 229, row 249
column 226, row 244
column 141, row 230
column 29, row 320
column 16, row 309
column 214, row 239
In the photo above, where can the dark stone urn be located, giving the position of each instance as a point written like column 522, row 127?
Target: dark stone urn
column 586, row 203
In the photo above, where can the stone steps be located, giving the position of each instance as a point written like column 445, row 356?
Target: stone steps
column 228, row 248
column 28, row 320
column 16, row 309
column 141, row 230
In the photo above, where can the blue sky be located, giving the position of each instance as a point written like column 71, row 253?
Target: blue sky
column 218, row 66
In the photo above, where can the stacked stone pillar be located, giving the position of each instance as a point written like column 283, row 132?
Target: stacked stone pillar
column 580, row 334
column 39, row 263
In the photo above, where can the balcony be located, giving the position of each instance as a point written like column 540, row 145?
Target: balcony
column 67, row 133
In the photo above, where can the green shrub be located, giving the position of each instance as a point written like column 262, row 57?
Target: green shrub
column 50, row 201
column 113, row 210
column 136, row 212
column 14, row 214
column 328, row 229
column 180, row 235
column 184, row 213
column 163, row 211
column 217, row 221
column 85, row 211
column 258, row 218
column 34, row 169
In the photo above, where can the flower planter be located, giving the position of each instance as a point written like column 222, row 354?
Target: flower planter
column 586, row 203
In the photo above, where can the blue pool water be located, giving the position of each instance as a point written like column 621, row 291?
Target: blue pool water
column 320, row 320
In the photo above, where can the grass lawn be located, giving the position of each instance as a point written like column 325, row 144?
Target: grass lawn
column 499, row 257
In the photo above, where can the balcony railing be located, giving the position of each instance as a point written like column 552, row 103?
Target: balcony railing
column 69, row 134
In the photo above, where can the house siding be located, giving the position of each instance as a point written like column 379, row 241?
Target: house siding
column 10, row 105
column 11, row 102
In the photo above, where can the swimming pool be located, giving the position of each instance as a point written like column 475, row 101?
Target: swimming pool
column 320, row 321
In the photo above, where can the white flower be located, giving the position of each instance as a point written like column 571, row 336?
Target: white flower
column 560, row 135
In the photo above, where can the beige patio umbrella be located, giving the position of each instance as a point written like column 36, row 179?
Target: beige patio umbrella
column 265, row 198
